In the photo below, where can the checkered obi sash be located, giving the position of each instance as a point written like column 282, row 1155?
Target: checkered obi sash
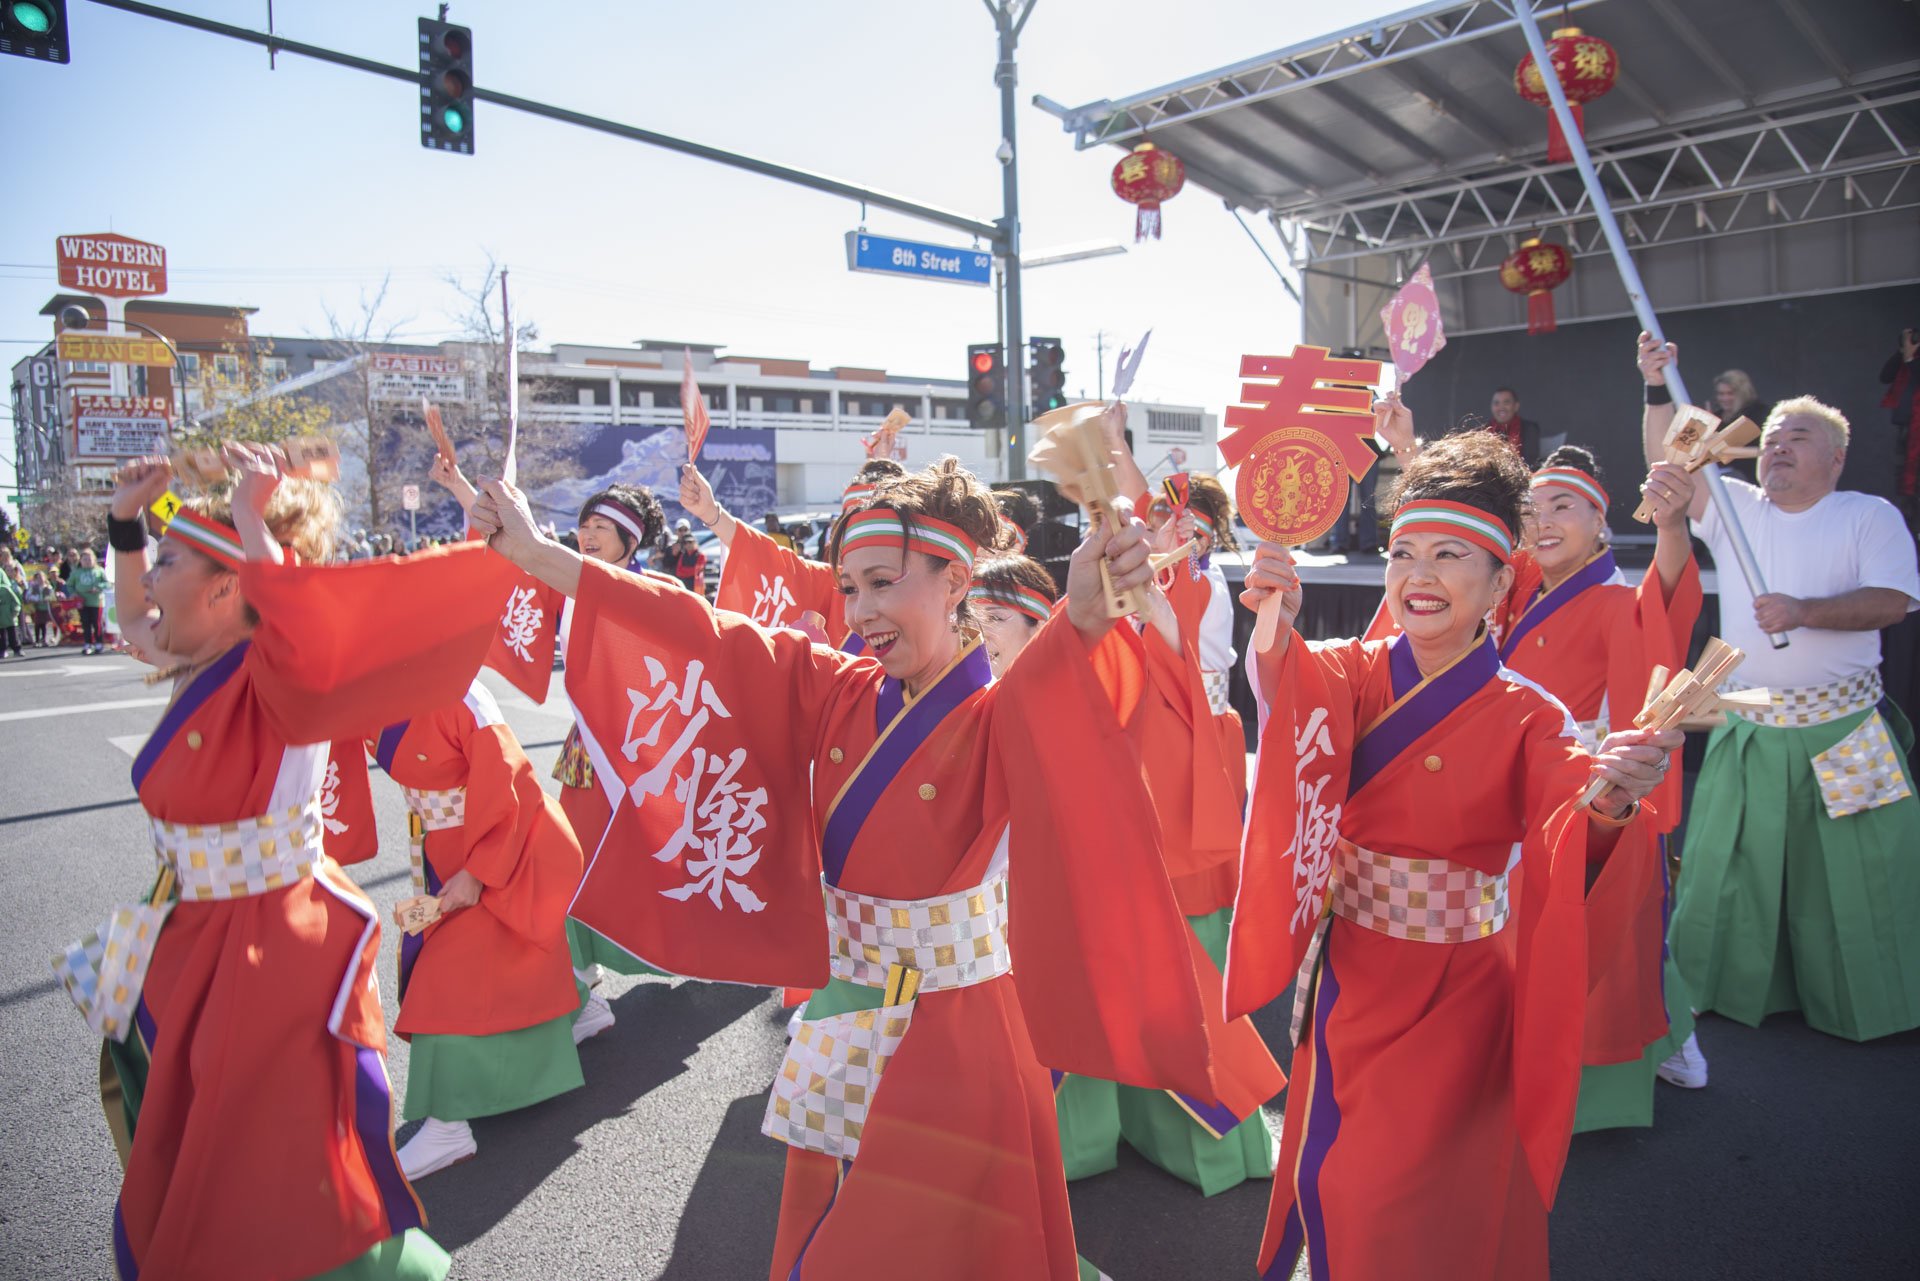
column 902, row 947
column 1806, row 705
column 429, row 811
column 1421, row 900
column 105, row 971
column 1860, row 772
column 1216, row 687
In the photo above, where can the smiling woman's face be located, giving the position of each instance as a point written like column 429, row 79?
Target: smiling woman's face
column 902, row 603
column 601, row 539
column 1566, row 531
column 190, row 592
column 1439, row 588
column 1005, row 632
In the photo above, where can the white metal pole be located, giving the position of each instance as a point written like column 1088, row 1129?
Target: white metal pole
column 1636, row 291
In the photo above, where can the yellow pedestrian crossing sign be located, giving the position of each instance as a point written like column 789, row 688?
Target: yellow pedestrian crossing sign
column 166, row 506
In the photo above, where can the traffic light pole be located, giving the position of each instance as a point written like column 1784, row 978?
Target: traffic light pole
column 1008, row 23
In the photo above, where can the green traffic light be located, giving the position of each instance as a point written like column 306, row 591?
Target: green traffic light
column 36, row 18
column 454, row 119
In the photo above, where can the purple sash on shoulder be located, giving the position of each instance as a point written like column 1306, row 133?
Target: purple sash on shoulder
column 902, row 727
column 1419, row 705
column 388, row 743
column 1595, row 573
column 191, row 700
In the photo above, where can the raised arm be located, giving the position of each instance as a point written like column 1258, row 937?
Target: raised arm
column 1671, row 491
column 1126, row 469
column 139, row 483
column 444, row 474
column 258, row 473
column 1654, row 360
column 501, row 517
column 696, row 495
column 1271, row 571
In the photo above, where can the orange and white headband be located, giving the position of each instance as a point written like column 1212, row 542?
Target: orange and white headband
column 855, row 494
column 222, row 542
column 1575, row 480
column 1437, row 516
column 621, row 515
column 1023, row 600
column 882, row 527
column 1016, row 533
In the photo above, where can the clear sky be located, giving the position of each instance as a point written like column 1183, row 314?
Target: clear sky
column 298, row 189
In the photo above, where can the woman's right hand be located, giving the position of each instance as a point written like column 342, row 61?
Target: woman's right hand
column 1653, row 359
column 696, row 495
column 138, row 484
column 1272, row 572
column 1393, row 423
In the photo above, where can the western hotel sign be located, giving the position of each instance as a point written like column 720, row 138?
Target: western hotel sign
column 111, row 266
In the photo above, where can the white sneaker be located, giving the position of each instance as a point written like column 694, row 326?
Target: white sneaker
column 435, row 1146
column 589, row 977
column 595, row 1017
column 1686, row 1067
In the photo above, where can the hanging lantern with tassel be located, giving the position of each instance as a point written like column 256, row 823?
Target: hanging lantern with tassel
column 1587, row 67
column 1146, row 176
column 1536, row 269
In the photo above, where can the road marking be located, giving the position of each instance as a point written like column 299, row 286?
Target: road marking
column 74, row 709
column 113, row 669
column 130, row 743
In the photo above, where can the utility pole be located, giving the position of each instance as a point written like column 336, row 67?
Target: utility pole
column 1009, row 16
column 1100, row 362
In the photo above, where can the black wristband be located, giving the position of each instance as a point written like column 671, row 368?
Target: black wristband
column 127, row 535
column 1659, row 395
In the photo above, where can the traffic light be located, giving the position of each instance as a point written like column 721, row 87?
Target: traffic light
column 1046, row 374
column 446, row 86
column 986, row 386
column 34, row 29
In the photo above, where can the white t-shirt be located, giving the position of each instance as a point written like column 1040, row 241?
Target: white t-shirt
column 1216, row 624
column 1844, row 542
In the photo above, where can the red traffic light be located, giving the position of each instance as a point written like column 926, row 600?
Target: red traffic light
column 983, row 362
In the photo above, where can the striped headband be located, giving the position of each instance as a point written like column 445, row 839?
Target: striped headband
column 1016, row 533
column 882, row 526
column 1437, row 516
column 854, row 494
column 222, row 542
column 1024, row 600
column 620, row 514
column 1574, row 479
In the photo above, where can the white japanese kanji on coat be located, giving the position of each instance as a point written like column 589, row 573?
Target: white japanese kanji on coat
column 520, row 625
column 1316, row 825
column 719, row 817
column 771, row 601
column 330, row 799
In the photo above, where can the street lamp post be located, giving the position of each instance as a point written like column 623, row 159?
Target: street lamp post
column 1009, row 16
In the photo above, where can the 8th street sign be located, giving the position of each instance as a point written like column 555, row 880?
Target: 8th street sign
column 106, row 265
column 912, row 258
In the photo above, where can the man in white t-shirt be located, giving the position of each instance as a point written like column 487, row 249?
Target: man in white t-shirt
column 1800, row 886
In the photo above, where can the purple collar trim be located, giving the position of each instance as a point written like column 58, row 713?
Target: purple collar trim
column 388, row 744
column 900, row 735
column 1420, row 706
column 1594, row 573
column 191, row 700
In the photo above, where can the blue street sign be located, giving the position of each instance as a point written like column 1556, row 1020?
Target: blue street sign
column 911, row 258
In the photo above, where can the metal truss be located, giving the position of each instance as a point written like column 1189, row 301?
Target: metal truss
column 1415, row 34
column 1770, row 169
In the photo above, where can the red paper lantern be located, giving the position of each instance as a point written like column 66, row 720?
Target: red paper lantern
column 1535, row 269
column 1146, row 177
column 1587, row 67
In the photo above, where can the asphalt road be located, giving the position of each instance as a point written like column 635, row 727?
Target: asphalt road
column 1801, row 1160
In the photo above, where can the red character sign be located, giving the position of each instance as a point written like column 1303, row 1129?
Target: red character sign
column 1296, row 443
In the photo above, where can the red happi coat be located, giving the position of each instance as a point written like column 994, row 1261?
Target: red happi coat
column 502, row 964
column 738, row 742
column 264, row 1146
column 1433, row 1087
column 1592, row 643
column 773, row 585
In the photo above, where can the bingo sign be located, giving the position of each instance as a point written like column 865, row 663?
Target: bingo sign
column 105, row 265
column 399, row 376
column 117, row 427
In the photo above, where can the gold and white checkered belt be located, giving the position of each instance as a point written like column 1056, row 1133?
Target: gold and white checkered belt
column 1805, row 705
column 429, row 811
column 1216, row 686
column 833, row 1065
column 1422, row 900
column 952, row 941
column 105, row 971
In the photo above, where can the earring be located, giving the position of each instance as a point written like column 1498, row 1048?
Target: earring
column 953, row 620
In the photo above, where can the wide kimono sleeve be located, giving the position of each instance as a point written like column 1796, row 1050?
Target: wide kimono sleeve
column 341, row 650
column 1186, row 772
column 1656, row 632
column 352, row 834
column 702, row 727
column 1293, row 815
column 1550, row 986
column 1105, row 970
column 519, row 845
column 773, row 585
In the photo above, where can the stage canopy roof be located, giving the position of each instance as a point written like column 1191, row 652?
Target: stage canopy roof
column 1752, row 149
